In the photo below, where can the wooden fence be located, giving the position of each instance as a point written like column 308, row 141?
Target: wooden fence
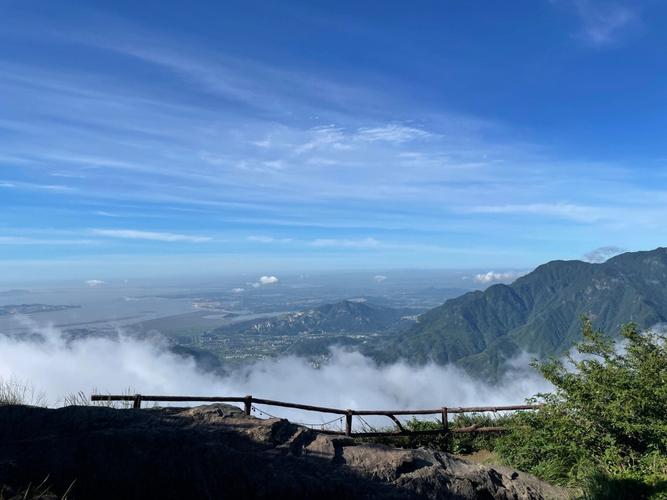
column 249, row 402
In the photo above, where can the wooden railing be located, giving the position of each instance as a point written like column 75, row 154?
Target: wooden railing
column 347, row 415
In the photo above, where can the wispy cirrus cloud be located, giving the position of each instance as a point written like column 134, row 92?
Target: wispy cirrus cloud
column 43, row 241
column 235, row 146
column 360, row 243
column 393, row 132
column 235, row 79
column 603, row 22
column 132, row 234
column 337, row 138
column 578, row 213
column 268, row 239
column 104, row 213
column 35, row 186
column 601, row 254
column 346, row 243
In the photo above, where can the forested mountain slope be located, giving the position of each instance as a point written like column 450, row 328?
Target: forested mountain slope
column 539, row 313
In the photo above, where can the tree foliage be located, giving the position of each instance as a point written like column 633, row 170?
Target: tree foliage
column 604, row 427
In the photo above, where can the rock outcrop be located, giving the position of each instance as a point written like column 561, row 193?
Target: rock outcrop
column 217, row 451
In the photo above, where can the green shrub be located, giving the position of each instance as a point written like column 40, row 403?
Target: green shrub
column 604, row 428
column 464, row 443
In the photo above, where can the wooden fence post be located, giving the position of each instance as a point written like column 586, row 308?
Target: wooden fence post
column 248, row 404
column 348, row 423
column 449, row 437
column 137, row 401
column 445, row 419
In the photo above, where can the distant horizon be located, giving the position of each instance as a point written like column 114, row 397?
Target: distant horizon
column 208, row 280
column 470, row 278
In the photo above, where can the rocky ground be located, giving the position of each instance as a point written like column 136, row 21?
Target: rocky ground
column 216, row 451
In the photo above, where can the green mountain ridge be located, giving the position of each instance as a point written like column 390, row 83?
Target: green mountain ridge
column 539, row 313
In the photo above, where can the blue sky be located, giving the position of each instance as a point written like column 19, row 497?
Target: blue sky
column 151, row 138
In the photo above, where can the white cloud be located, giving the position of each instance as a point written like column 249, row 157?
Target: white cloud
column 268, row 239
column 238, row 290
column 601, row 254
column 603, row 22
column 579, row 213
column 492, row 277
column 327, row 136
column 262, row 281
column 345, row 243
column 32, row 185
column 268, row 280
column 274, row 164
column 94, row 283
column 391, row 133
column 334, row 137
column 132, row 234
column 379, row 278
column 23, row 240
column 264, row 143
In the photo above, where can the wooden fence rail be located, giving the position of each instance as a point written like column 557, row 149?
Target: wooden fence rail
column 348, row 414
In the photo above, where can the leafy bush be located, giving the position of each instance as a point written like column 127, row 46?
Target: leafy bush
column 604, row 428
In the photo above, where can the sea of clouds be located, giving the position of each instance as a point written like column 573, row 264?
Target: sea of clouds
column 57, row 367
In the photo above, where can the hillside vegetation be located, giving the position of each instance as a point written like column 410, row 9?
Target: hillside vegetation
column 605, row 426
column 601, row 432
column 538, row 313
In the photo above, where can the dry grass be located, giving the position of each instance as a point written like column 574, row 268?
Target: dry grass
column 82, row 399
column 42, row 491
column 15, row 392
column 484, row 457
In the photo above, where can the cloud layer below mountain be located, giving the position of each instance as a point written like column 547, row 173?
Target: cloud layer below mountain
column 57, row 367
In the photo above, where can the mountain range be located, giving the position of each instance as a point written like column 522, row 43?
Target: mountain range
column 539, row 313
